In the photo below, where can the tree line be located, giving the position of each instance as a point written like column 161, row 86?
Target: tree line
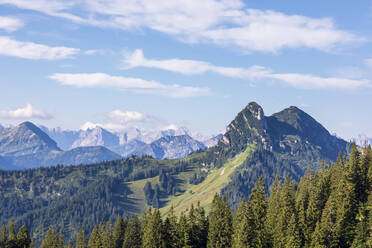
column 331, row 207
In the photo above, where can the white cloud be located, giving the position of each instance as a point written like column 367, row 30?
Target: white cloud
column 128, row 116
column 10, row 24
column 30, row 50
column 191, row 67
column 223, row 22
column 96, row 52
column 308, row 81
column 28, row 112
column 137, row 85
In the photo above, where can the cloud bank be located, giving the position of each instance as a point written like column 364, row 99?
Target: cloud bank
column 195, row 67
column 136, row 85
column 226, row 23
column 28, row 112
column 10, row 24
column 30, row 50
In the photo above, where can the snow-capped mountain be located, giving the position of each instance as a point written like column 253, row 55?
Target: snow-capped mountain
column 130, row 140
column 362, row 140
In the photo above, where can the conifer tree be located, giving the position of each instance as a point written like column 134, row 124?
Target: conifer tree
column 61, row 242
column 273, row 209
column 171, row 230
column 118, row 232
column 23, row 238
column 94, row 237
column 81, row 241
column 287, row 209
column 293, row 239
column 51, row 240
column 152, row 236
column 243, row 227
column 133, row 233
column 258, row 207
column 184, row 232
column 11, row 234
column 220, row 224
column 3, row 236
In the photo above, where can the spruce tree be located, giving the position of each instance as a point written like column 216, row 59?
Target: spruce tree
column 258, row 207
column 118, row 232
column 171, row 230
column 94, row 237
column 243, row 227
column 152, row 236
column 133, row 233
column 51, row 240
column 23, row 238
column 220, row 224
column 3, row 236
column 81, row 241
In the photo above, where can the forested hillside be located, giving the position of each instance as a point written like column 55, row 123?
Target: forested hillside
column 67, row 197
column 329, row 208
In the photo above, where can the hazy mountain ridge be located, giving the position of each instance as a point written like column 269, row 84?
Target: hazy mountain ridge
column 27, row 146
column 171, row 147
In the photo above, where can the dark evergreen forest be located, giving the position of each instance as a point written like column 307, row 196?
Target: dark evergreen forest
column 331, row 207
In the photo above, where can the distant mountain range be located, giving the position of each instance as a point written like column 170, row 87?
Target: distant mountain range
column 171, row 143
column 362, row 140
column 28, row 146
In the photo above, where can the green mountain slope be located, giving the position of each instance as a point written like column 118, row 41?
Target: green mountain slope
column 253, row 145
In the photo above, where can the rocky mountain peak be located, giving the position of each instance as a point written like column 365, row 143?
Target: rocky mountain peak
column 256, row 110
column 25, row 139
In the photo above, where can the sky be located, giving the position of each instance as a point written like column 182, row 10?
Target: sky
column 161, row 64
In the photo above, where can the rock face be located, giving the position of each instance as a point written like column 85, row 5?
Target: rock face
column 171, row 147
column 97, row 137
column 63, row 138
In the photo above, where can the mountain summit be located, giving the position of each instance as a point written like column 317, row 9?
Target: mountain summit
column 25, row 139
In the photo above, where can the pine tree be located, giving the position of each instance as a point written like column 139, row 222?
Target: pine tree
column 118, row 232
column 347, row 190
column 184, row 230
column 287, row 209
column 243, row 227
column 220, row 224
column 258, row 207
column 273, row 209
column 81, row 241
column 94, row 237
column 170, row 230
column 152, row 236
column 11, row 240
column 293, row 238
column 3, row 236
column 133, row 233
column 23, row 238
column 51, row 240
column 61, row 242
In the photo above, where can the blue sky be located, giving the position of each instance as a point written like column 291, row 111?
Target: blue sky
column 120, row 63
